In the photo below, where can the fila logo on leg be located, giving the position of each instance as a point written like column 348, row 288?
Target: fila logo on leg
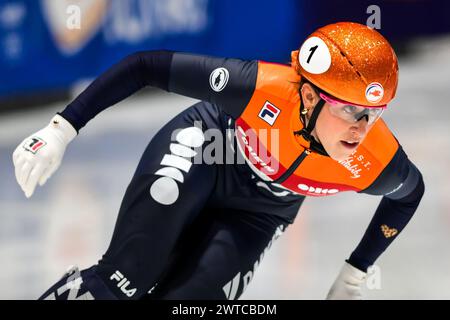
column 123, row 283
column 269, row 113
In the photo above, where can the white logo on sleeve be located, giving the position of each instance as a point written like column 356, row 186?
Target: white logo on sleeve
column 218, row 79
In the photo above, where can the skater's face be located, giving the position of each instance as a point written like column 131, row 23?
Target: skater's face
column 339, row 137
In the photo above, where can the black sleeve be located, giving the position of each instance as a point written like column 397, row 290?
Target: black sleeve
column 117, row 83
column 397, row 179
column 402, row 187
column 229, row 83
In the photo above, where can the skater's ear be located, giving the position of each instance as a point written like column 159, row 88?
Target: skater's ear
column 309, row 96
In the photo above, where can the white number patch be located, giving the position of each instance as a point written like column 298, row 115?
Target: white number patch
column 315, row 56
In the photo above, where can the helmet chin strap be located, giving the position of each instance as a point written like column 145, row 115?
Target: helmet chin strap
column 306, row 132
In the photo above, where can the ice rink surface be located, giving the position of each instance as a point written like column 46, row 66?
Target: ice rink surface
column 70, row 220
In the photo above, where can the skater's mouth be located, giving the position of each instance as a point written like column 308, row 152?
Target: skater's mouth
column 350, row 144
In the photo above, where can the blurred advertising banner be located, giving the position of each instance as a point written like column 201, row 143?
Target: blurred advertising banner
column 48, row 45
column 399, row 20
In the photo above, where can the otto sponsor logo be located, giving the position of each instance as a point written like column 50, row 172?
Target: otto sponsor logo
column 34, row 144
column 123, row 283
column 165, row 189
column 316, row 190
column 251, row 150
column 269, row 113
column 374, row 92
column 218, row 79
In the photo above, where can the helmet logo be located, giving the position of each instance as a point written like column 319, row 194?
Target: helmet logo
column 314, row 56
column 374, row 92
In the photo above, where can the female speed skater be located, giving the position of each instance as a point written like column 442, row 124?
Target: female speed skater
column 195, row 220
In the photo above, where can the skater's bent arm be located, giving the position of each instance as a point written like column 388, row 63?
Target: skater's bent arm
column 230, row 87
column 402, row 185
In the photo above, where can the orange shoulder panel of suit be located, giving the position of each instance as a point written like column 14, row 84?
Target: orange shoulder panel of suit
column 362, row 168
column 380, row 142
column 277, row 84
column 278, row 80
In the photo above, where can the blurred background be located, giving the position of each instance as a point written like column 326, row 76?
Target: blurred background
column 51, row 49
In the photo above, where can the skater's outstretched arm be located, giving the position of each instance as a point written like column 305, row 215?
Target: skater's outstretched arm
column 228, row 83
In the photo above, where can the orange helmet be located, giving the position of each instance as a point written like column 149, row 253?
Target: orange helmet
column 351, row 62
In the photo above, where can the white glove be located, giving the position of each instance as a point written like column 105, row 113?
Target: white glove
column 38, row 156
column 347, row 285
